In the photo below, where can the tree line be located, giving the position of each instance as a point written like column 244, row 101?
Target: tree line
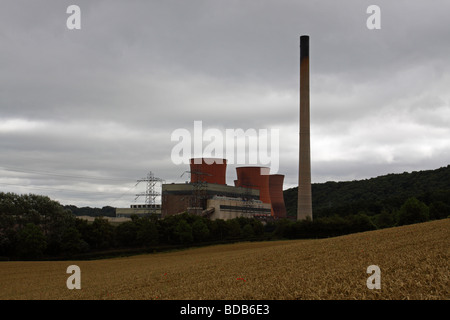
column 411, row 211
column 106, row 211
column 35, row 227
column 384, row 194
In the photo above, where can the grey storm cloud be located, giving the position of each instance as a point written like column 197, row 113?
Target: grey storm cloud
column 84, row 113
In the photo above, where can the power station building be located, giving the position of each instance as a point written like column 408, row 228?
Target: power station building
column 140, row 210
column 255, row 193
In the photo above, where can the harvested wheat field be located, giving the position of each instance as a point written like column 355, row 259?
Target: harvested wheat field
column 413, row 260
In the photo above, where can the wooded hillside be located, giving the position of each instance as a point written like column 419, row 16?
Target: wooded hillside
column 375, row 195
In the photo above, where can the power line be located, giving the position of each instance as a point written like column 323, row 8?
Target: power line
column 64, row 190
column 69, row 176
column 126, row 193
column 49, row 173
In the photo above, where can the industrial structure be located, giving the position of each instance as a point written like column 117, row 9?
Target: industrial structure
column 256, row 193
column 276, row 195
column 150, row 207
column 207, row 193
column 304, row 207
column 140, row 210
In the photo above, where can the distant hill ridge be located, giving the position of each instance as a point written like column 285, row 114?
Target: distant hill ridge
column 374, row 194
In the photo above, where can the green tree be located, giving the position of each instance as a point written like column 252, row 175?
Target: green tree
column 281, row 228
column 147, row 234
column 86, row 230
column 247, row 231
column 384, row 220
column 31, row 242
column 219, row 229
column 360, row 222
column 234, row 229
column 258, row 227
column 103, row 233
column 200, row 231
column 72, row 242
column 439, row 210
column 126, row 233
column 183, row 232
column 8, row 234
column 413, row 211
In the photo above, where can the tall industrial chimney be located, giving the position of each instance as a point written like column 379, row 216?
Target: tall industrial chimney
column 304, row 208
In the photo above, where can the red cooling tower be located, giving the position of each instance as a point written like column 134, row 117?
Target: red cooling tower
column 251, row 177
column 276, row 195
column 210, row 170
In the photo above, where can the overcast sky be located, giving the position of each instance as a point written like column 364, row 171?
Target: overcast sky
column 85, row 113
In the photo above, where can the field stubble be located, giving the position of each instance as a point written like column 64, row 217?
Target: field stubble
column 413, row 261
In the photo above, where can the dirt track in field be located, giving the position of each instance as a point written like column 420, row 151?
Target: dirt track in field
column 414, row 264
